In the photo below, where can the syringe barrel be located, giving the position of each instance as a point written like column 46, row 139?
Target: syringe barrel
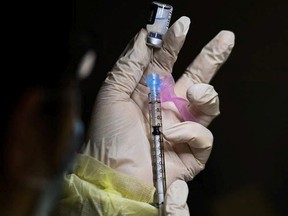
column 154, row 83
column 158, row 162
column 155, row 111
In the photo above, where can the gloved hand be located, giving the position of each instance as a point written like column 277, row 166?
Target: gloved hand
column 119, row 134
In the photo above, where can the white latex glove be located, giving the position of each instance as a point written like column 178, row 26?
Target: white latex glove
column 175, row 199
column 120, row 131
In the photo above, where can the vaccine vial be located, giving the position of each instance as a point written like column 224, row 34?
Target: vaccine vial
column 158, row 23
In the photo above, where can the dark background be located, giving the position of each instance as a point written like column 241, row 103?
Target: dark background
column 247, row 172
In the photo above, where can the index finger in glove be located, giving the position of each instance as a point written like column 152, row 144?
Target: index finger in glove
column 129, row 68
column 207, row 63
column 165, row 57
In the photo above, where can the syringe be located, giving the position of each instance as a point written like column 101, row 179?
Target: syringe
column 154, row 83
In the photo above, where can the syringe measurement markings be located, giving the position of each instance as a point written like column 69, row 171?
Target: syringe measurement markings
column 158, row 164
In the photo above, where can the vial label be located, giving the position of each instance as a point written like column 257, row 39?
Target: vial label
column 153, row 12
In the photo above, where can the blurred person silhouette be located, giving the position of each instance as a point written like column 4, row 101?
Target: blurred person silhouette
column 39, row 112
